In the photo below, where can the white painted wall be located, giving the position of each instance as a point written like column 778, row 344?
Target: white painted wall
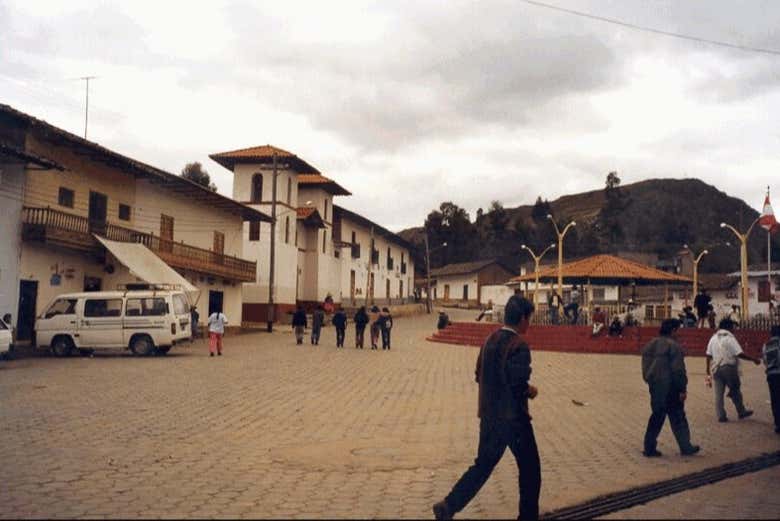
column 11, row 189
column 497, row 293
column 456, row 283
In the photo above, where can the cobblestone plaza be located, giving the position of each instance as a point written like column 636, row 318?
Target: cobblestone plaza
column 272, row 429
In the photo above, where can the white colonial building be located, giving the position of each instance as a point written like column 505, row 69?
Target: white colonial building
column 72, row 199
column 319, row 248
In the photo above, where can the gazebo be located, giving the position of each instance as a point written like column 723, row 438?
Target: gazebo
column 604, row 270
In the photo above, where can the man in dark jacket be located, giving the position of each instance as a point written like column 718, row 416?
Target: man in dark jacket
column 663, row 368
column 503, row 371
column 339, row 321
column 702, row 303
column 299, row 324
column 361, row 319
column 317, row 321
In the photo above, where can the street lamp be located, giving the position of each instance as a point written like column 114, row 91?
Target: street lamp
column 561, row 235
column 537, row 259
column 743, row 261
column 696, row 259
column 428, row 271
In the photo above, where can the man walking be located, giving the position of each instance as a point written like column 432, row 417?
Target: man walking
column 503, row 371
column 340, row 323
column 723, row 354
column 299, row 324
column 771, row 355
column 317, row 320
column 663, row 368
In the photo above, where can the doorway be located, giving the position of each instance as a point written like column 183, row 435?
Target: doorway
column 98, row 212
column 28, row 300
column 352, row 286
column 215, row 302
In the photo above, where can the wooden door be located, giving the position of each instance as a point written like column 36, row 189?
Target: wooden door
column 166, row 233
column 352, row 286
column 98, row 212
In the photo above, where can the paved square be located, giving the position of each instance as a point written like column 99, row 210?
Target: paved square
column 272, row 429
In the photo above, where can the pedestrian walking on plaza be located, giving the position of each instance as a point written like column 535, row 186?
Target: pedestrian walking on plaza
column 572, row 309
column 702, row 302
column 339, row 321
column 194, row 317
column 771, row 355
column 385, row 326
column 663, row 369
column 723, row 354
column 553, row 307
column 361, row 319
column 503, row 373
column 217, row 323
column 374, row 316
column 299, row 324
column 317, row 320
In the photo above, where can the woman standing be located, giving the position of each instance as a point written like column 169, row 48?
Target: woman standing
column 217, row 323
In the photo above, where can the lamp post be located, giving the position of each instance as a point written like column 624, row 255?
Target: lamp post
column 743, row 261
column 537, row 260
column 561, row 235
column 428, row 271
column 696, row 259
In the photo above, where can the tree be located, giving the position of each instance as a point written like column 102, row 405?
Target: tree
column 195, row 173
column 540, row 209
column 611, row 212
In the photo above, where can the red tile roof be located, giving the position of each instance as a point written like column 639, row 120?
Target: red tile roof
column 604, row 267
column 323, row 182
column 262, row 154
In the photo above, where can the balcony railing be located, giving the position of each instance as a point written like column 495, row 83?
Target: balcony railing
column 75, row 232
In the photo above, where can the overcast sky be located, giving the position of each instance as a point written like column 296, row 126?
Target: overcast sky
column 408, row 104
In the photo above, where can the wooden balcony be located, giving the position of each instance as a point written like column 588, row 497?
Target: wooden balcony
column 75, row 232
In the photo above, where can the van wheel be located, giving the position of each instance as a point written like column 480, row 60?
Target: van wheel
column 142, row 346
column 162, row 351
column 61, row 346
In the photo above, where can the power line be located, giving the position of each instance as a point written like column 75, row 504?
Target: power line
column 653, row 30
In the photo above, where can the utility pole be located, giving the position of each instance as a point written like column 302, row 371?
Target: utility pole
column 86, row 107
column 273, row 250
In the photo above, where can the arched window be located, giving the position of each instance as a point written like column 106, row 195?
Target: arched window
column 257, row 189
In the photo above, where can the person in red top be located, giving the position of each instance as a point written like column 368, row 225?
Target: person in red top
column 503, row 372
column 599, row 319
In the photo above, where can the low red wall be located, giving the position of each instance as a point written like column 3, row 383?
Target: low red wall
column 579, row 338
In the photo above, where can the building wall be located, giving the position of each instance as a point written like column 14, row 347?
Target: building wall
column 40, row 262
column 498, row 294
column 11, row 189
column 456, row 283
column 194, row 224
column 381, row 273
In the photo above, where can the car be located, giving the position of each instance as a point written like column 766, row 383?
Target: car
column 145, row 321
column 5, row 339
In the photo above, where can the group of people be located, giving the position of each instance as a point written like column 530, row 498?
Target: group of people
column 380, row 323
column 503, row 373
column 571, row 310
column 618, row 323
column 705, row 312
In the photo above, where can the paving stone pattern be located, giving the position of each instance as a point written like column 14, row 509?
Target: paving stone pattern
column 276, row 430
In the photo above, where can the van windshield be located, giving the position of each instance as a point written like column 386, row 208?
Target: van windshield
column 63, row 306
column 180, row 304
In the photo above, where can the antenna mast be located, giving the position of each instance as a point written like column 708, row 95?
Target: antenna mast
column 86, row 108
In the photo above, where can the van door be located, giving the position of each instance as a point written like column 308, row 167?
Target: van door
column 147, row 315
column 101, row 323
column 60, row 318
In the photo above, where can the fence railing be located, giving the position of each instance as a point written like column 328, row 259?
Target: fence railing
column 176, row 254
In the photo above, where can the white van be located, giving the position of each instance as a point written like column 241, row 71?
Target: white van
column 5, row 338
column 144, row 321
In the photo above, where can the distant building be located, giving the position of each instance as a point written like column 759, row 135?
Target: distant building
column 320, row 248
column 462, row 283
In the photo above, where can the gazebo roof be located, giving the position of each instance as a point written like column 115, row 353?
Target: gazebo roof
column 604, row 269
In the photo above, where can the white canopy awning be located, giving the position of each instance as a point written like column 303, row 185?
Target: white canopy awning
column 145, row 265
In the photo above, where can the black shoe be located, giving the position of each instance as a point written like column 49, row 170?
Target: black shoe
column 441, row 511
column 693, row 449
column 723, row 420
column 745, row 414
column 652, row 453
column 211, row 354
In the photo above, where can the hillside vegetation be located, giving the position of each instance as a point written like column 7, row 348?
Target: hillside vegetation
column 656, row 216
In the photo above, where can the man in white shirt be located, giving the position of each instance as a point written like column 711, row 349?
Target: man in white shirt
column 723, row 354
column 217, row 323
